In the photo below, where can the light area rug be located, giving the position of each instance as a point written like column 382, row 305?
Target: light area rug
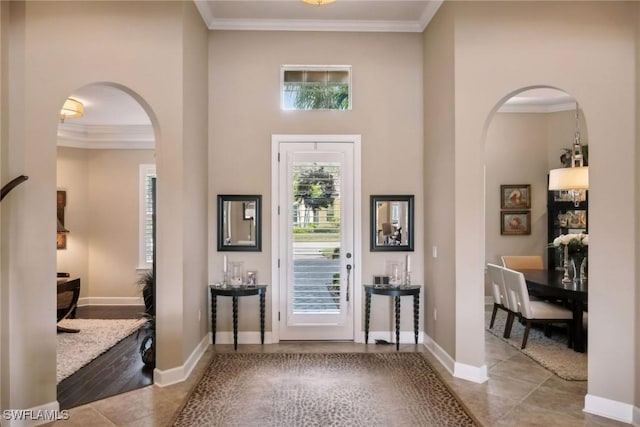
column 334, row 389
column 550, row 352
column 96, row 336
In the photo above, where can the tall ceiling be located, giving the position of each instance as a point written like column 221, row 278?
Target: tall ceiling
column 295, row 15
column 120, row 113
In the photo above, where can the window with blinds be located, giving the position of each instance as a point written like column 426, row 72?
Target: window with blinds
column 147, row 173
column 316, row 88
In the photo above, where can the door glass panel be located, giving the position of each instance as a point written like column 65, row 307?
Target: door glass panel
column 316, row 222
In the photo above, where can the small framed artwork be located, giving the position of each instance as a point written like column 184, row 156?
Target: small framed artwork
column 515, row 196
column 252, row 278
column 515, row 223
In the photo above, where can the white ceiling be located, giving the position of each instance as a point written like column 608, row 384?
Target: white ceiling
column 107, row 105
column 295, row 15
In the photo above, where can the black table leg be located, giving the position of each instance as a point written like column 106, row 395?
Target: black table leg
column 397, row 300
column 367, row 311
column 579, row 341
column 416, row 316
column 262, row 318
column 235, row 322
column 214, row 309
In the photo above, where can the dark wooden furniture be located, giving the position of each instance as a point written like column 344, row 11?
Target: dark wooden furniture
column 396, row 293
column 235, row 293
column 68, row 292
column 559, row 217
column 548, row 284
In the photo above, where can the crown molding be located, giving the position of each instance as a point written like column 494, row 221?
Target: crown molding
column 315, row 25
column 417, row 26
column 430, row 12
column 105, row 137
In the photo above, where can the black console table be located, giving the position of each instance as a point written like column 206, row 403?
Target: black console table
column 235, row 293
column 396, row 293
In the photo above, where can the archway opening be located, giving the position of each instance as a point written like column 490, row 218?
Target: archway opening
column 529, row 132
column 105, row 162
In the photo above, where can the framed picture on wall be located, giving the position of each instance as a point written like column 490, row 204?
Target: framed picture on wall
column 515, row 223
column 515, row 196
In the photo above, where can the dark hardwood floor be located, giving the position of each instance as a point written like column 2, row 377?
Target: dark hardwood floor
column 118, row 370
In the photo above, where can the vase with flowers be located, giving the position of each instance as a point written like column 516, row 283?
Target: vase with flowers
column 574, row 246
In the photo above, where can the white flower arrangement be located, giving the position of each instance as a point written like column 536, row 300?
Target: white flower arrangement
column 574, row 241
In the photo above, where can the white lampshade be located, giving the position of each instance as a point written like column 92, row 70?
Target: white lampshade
column 576, row 178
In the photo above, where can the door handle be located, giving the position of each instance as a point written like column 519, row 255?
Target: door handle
column 348, row 280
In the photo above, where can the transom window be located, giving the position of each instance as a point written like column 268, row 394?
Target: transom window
column 316, row 87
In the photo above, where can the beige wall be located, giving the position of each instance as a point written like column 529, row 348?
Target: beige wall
column 136, row 40
column 637, row 237
column 245, row 112
column 439, row 138
column 521, row 148
column 4, row 39
column 586, row 49
column 103, row 217
column 73, row 177
column 516, row 153
column 195, row 99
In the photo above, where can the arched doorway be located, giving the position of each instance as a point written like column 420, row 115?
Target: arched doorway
column 105, row 160
column 527, row 133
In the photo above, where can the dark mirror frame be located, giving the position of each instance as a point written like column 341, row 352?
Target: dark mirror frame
column 375, row 247
column 257, row 199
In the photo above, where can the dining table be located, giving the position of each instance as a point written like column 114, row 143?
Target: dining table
column 548, row 284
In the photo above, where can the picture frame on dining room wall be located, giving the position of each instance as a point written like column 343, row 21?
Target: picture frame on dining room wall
column 515, row 223
column 515, row 196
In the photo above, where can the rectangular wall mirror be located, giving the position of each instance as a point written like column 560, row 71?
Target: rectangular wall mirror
column 392, row 223
column 239, row 223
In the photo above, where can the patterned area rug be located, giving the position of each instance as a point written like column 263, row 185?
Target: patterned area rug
column 342, row 389
column 95, row 337
column 550, row 352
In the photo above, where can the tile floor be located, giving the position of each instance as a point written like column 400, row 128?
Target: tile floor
column 519, row 392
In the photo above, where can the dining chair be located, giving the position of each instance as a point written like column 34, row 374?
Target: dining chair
column 498, row 291
column 523, row 262
column 532, row 311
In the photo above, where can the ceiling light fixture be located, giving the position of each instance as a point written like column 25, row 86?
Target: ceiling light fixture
column 71, row 109
column 318, row 2
column 574, row 179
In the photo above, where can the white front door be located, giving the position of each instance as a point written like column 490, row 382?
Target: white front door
column 315, row 230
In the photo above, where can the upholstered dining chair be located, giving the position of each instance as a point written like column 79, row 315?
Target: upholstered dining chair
column 499, row 294
column 532, row 311
column 523, row 262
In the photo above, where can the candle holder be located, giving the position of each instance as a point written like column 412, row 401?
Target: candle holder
column 236, row 275
column 407, row 278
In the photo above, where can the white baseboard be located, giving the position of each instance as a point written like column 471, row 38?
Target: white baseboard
column 36, row 416
column 636, row 416
column 476, row 374
column 180, row 373
column 439, row 353
column 611, row 409
column 253, row 337
column 459, row 370
column 110, row 301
